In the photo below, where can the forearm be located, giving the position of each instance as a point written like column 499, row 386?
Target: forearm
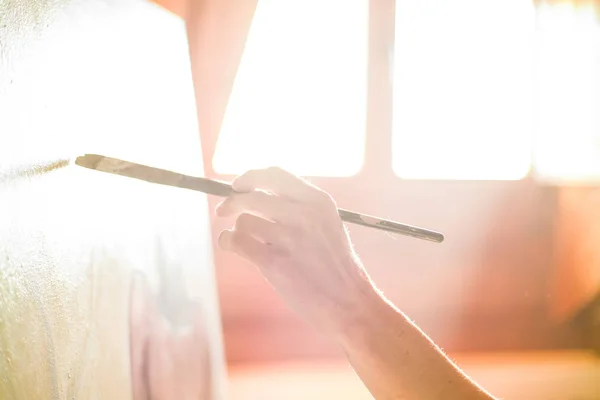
column 292, row 232
column 396, row 360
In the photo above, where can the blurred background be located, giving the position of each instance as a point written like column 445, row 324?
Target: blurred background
column 480, row 119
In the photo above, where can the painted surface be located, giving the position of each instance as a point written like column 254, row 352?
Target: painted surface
column 107, row 286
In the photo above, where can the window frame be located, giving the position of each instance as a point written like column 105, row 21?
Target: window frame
column 378, row 135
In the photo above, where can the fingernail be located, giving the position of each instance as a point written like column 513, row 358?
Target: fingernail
column 240, row 185
column 236, row 185
column 223, row 239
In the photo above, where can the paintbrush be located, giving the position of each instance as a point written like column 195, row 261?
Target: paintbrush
column 223, row 189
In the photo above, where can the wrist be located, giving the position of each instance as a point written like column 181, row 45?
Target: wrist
column 369, row 311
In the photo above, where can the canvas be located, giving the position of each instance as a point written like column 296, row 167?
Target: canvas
column 107, row 287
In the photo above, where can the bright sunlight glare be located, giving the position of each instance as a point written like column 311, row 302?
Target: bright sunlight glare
column 463, row 91
column 299, row 97
column 568, row 141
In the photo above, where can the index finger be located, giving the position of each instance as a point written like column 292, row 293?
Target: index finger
column 277, row 181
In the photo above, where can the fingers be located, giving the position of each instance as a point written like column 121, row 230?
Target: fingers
column 262, row 204
column 280, row 182
column 250, row 248
column 266, row 232
column 270, row 224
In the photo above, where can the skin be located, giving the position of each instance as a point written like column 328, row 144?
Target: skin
column 291, row 231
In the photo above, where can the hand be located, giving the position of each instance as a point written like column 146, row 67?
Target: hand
column 292, row 232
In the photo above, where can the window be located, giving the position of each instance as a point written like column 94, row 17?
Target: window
column 300, row 90
column 463, row 87
column 568, row 140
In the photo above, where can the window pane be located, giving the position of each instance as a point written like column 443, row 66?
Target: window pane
column 299, row 98
column 568, row 139
column 463, row 89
